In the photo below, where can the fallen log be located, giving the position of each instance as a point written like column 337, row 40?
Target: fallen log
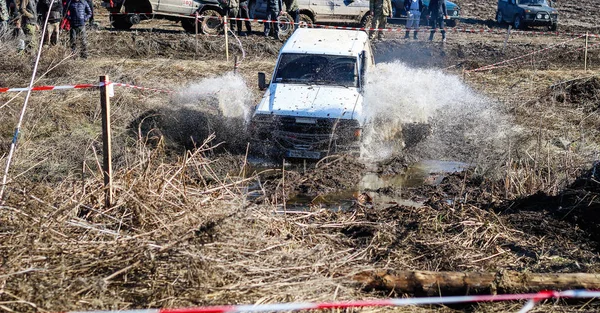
column 425, row 283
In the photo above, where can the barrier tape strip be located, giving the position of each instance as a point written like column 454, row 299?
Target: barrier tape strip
column 83, row 86
column 399, row 29
column 590, row 47
column 277, row 307
column 483, row 68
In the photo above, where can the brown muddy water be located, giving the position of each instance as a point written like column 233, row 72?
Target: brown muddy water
column 366, row 191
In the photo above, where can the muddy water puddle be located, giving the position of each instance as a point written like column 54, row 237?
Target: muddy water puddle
column 369, row 190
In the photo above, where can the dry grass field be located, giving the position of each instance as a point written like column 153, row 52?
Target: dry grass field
column 195, row 222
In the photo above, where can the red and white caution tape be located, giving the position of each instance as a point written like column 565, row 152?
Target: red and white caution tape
column 278, row 307
column 487, row 67
column 83, row 86
column 46, row 88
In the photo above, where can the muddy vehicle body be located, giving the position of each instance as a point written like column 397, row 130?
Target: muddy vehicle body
column 324, row 11
column 523, row 13
column 313, row 106
column 126, row 13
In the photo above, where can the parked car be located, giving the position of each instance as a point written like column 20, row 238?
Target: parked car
column 124, row 14
column 323, row 11
column 452, row 8
column 523, row 13
column 314, row 105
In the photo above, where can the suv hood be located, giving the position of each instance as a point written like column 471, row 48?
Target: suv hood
column 536, row 7
column 319, row 101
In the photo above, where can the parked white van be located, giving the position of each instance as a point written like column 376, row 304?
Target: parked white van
column 313, row 105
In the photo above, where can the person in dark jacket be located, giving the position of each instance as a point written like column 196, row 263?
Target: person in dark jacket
column 79, row 14
column 273, row 10
column 54, row 19
column 413, row 11
column 437, row 13
column 244, row 13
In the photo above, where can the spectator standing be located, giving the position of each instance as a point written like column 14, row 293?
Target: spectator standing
column 79, row 14
column 437, row 13
column 380, row 9
column 233, row 10
column 54, row 18
column 413, row 10
column 4, row 16
column 244, row 13
column 273, row 10
column 291, row 7
column 29, row 17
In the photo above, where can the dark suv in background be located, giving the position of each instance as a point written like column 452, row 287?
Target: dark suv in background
column 523, row 13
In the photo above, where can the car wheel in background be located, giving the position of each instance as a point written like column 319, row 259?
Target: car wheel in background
column 517, row 24
column 120, row 22
column 212, row 22
column 366, row 21
column 553, row 27
column 499, row 18
column 305, row 19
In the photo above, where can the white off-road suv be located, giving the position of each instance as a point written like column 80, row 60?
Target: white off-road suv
column 313, row 105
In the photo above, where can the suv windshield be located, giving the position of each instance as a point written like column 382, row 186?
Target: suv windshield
column 317, row 69
column 542, row 2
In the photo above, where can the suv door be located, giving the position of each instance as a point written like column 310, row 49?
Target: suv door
column 511, row 11
column 323, row 10
column 349, row 12
column 186, row 7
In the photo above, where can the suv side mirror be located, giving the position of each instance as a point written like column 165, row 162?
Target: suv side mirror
column 363, row 68
column 262, row 81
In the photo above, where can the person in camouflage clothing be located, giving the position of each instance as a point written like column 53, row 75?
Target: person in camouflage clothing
column 233, row 9
column 4, row 16
column 380, row 9
column 291, row 7
column 28, row 12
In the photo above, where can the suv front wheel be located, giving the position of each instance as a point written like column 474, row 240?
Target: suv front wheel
column 517, row 24
column 499, row 18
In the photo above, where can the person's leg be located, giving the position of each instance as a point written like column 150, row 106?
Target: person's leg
column 73, row 40
column 443, row 30
column 374, row 24
column 296, row 16
column 417, row 18
column 84, row 43
column 382, row 24
column 268, row 24
column 434, row 20
column 409, row 24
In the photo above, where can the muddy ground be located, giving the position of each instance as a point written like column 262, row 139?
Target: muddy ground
column 198, row 221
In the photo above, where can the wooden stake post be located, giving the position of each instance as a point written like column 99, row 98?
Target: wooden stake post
column 106, row 141
column 453, row 283
column 196, row 22
column 587, row 34
column 226, row 38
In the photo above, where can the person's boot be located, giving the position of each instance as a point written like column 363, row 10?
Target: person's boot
column 431, row 36
column 407, row 36
column 416, row 36
column 444, row 37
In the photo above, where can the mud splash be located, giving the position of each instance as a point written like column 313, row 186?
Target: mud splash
column 464, row 125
